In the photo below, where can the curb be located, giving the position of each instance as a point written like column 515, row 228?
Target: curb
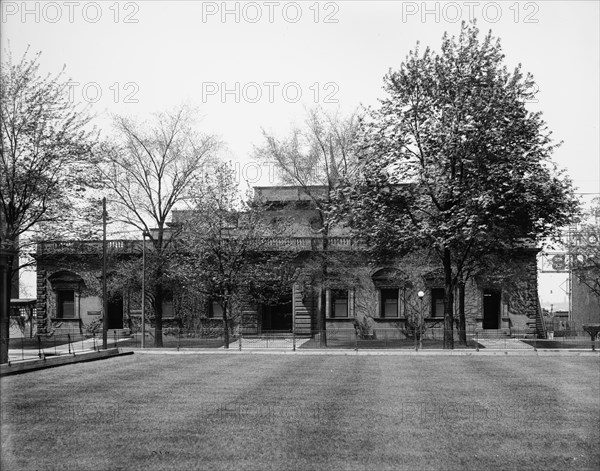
column 8, row 369
column 275, row 351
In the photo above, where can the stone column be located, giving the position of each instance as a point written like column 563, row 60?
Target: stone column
column 42, row 299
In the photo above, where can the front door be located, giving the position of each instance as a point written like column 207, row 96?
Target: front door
column 491, row 309
column 278, row 316
column 115, row 313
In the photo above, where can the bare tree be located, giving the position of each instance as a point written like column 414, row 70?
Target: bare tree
column 231, row 251
column 150, row 171
column 316, row 155
column 46, row 149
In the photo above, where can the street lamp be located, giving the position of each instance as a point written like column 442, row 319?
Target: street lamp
column 421, row 295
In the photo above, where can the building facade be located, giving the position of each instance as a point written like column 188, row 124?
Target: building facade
column 355, row 290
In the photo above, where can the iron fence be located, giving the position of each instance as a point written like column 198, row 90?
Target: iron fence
column 41, row 346
column 350, row 338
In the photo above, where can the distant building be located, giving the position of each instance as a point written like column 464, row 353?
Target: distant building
column 586, row 305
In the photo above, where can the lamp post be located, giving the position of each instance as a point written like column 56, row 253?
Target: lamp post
column 104, row 295
column 421, row 295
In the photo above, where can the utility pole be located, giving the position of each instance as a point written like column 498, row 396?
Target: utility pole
column 143, row 289
column 104, row 300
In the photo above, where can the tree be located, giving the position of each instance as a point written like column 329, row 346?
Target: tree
column 150, row 171
column 584, row 250
column 321, row 154
column 453, row 161
column 225, row 250
column 45, row 156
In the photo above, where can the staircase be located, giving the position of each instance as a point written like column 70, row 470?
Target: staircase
column 303, row 321
column 540, row 325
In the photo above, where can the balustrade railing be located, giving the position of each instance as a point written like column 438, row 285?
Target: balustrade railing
column 135, row 246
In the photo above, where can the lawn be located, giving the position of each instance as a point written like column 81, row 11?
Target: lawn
column 305, row 412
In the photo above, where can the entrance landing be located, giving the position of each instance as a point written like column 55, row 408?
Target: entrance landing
column 279, row 342
column 505, row 343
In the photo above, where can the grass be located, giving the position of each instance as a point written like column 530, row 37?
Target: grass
column 305, row 412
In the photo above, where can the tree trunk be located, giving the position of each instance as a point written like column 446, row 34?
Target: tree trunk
column 158, row 329
column 462, row 322
column 448, row 302
column 322, row 312
column 225, row 327
column 5, row 284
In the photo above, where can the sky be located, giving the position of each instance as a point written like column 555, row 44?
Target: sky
column 249, row 66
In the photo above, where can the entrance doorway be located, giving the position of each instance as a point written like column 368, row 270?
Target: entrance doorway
column 115, row 312
column 491, row 309
column 278, row 316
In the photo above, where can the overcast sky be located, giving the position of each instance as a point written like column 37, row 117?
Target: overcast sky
column 248, row 65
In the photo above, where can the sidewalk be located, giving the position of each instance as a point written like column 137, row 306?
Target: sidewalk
column 382, row 352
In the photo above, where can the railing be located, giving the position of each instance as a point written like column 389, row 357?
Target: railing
column 333, row 338
column 135, row 246
column 89, row 246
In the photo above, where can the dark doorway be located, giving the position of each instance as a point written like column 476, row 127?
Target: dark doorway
column 278, row 316
column 115, row 312
column 491, row 309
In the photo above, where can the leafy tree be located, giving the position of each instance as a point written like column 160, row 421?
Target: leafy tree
column 45, row 157
column 226, row 250
column 316, row 155
column 149, row 170
column 453, row 161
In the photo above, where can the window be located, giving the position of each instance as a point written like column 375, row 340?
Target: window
column 339, row 303
column 437, row 302
column 167, row 308
column 65, row 301
column 215, row 310
column 389, row 302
